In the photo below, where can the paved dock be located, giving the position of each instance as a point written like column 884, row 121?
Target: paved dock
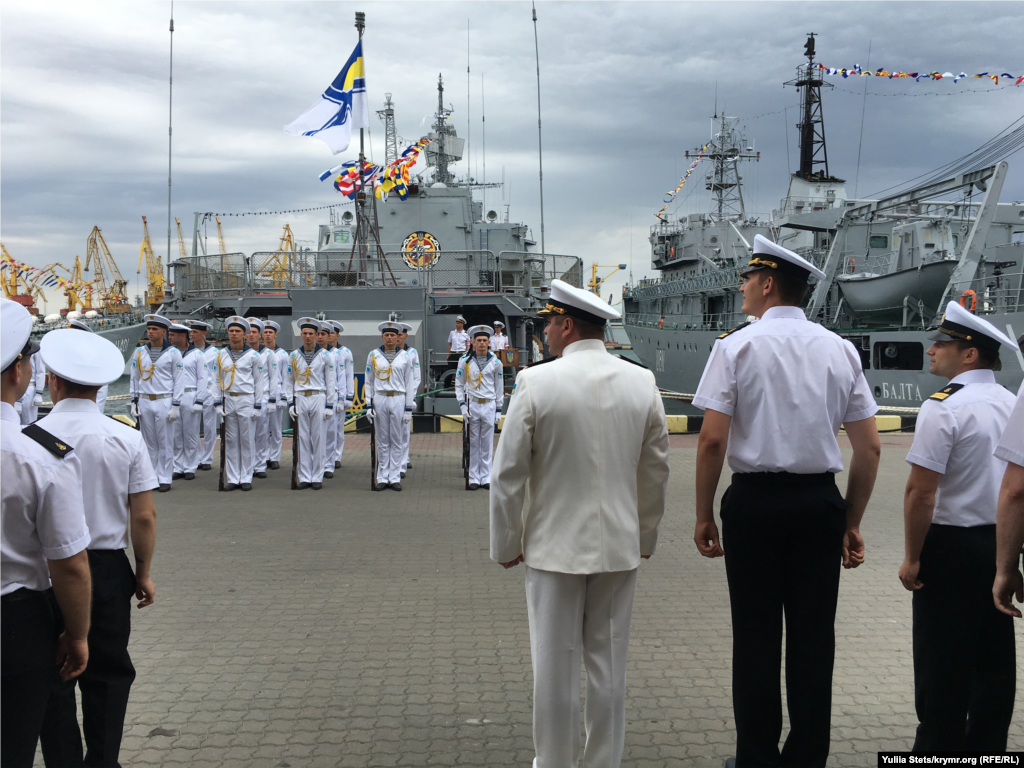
column 351, row 628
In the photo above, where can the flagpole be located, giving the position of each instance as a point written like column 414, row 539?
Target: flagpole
column 170, row 103
column 361, row 189
column 540, row 151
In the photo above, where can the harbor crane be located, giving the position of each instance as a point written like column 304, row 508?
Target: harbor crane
column 220, row 237
column 15, row 284
column 181, row 240
column 110, row 284
column 281, row 265
column 154, row 271
column 76, row 288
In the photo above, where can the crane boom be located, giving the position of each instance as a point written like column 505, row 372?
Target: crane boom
column 154, row 270
column 112, row 286
column 181, row 240
column 220, row 237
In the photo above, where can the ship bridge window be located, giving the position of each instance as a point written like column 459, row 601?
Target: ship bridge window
column 899, row 355
column 879, row 241
column 341, row 237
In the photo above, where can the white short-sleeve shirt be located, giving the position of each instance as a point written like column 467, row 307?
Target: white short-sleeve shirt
column 459, row 341
column 788, row 385
column 115, row 463
column 41, row 512
column 1011, row 444
column 956, row 436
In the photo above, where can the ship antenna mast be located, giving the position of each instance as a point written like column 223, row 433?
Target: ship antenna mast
column 387, row 115
column 812, row 124
column 540, row 151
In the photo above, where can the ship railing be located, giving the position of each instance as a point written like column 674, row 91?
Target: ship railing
column 992, row 294
column 715, row 280
column 719, row 321
column 275, row 271
column 471, row 270
column 212, row 274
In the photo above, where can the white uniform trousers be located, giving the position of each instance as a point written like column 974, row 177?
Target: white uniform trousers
column 330, row 440
column 339, row 447
column 159, row 435
column 574, row 615
column 387, row 420
column 186, row 436
column 481, row 440
column 210, row 432
column 276, row 421
column 239, row 439
column 310, row 411
column 29, row 412
column 262, row 439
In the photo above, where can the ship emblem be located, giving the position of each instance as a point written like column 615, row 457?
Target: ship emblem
column 421, row 249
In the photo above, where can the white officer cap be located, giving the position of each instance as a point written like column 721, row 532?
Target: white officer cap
column 238, row 320
column 498, row 324
column 179, row 328
column 91, row 361
column 406, row 327
column 390, row 325
column 481, row 330
column 78, row 325
column 338, row 326
column 159, row 320
column 460, row 319
column 960, row 325
column 575, row 302
column 255, row 322
column 769, row 255
column 270, row 325
column 15, row 329
column 309, row 322
column 199, row 325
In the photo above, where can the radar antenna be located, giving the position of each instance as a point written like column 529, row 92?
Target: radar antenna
column 812, row 124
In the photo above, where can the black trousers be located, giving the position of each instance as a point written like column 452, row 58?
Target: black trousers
column 28, row 648
column 964, row 656
column 783, row 540
column 106, row 681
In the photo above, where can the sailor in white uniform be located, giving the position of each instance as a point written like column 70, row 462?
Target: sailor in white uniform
column 117, row 485
column 327, row 338
column 43, row 536
column 417, row 378
column 479, row 388
column 346, row 368
column 240, row 386
column 311, row 382
column 28, row 404
column 586, row 432
column 210, row 427
column 390, row 396
column 499, row 340
column 964, row 658
column 101, row 395
column 458, row 341
column 1009, row 582
column 269, row 411
column 775, row 393
column 279, row 362
column 157, row 386
column 197, row 391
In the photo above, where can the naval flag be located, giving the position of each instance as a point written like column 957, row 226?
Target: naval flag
column 341, row 108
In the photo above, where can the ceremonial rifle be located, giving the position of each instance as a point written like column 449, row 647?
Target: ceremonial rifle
column 295, row 447
column 223, row 451
column 373, row 449
column 465, row 451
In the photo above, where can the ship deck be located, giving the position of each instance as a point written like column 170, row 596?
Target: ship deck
column 351, row 628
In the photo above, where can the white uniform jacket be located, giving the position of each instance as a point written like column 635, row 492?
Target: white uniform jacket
column 317, row 376
column 417, row 374
column 476, row 380
column 586, row 434
column 459, row 341
column 281, row 394
column 245, row 377
column 212, row 357
column 383, row 377
column 273, row 373
column 164, row 377
column 1011, row 444
column 499, row 342
column 346, row 368
column 195, row 373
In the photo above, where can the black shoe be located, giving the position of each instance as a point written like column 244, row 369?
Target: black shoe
column 403, row 474
column 231, row 487
column 260, row 475
column 382, row 486
column 273, row 465
column 730, row 762
column 164, row 487
column 337, row 465
column 177, row 475
column 408, row 465
column 473, row 486
column 190, row 475
column 486, row 485
column 302, row 486
column 396, row 486
column 246, row 486
column 206, row 467
column 328, row 474
column 317, row 486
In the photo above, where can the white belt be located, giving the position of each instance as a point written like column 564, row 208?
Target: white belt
column 190, row 389
column 311, row 392
column 156, row 397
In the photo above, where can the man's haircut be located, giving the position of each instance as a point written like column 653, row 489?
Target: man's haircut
column 71, row 389
column 989, row 358
column 792, row 289
column 585, row 328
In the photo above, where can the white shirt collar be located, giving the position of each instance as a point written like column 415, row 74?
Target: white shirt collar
column 584, row 345
column 74, row 405
column 785, row 312
column 7, row 413
column 977, row 376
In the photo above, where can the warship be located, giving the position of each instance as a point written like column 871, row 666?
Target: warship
column 891, row 264
column 422, row 260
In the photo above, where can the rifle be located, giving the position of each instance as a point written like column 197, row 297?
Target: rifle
column 465, row 451
column 223, row 451
column 295, row 448
column 373, row 450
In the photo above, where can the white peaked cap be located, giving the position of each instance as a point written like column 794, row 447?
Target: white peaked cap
column 960, row 325
column 270, row 325
column 460, row 319
column 157, row 320
column 89, row 360
column 199, row 325
column 337, row 326
column 309, row 322
column 15, row 329
column 476, row 330
column 237, row 320
column 575, row 302
column 406, row 327
column 179, row 328
column 79, row 325
column 255, row 322
column 498, row 323
column 390, row 325
column 772, row 256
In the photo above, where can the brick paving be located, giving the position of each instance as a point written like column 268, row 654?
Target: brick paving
column 351, row 628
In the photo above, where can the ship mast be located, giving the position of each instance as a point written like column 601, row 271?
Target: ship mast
column 725, row 151
column 441, row 131
column 362, row 220
column 812, row 125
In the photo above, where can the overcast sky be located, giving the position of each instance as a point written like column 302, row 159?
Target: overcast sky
column 626, row 88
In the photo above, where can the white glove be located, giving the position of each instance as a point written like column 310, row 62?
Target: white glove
column 197, row 407
column 407, row 417
column 37, row 400
column 292, row 412
column 348, row 405
column 219, row 410
column 134, row 410
column 271, row 407
column 369, row 414
column 497, row 418
column 174, row 414
column 255, row 414
column 17, row 406
column 328, row 413
column 465, row 412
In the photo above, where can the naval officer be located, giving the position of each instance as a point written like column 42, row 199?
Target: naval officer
column 417, row 378
column 499, row 340
column 964, row 659
column 480, row 390
column 43, row 536
column 156, row 386
column 1010, row 523
column 311, row 381
column 240, row 385
column 458, row 341
column 346, row 368
column 117, row 485
column 586, row 432
column 279, row 361
column 775, row 393
column 327, row 338
column 101, row 395
column 268, row 360
column 196, row 392
column 390, row 396
column 198, row 336
column 28, row 404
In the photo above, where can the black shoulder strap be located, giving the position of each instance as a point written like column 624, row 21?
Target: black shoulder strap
column 634, row 362
column 48, row 441
column 945, row 392
column 737, row 328
column 541, row 362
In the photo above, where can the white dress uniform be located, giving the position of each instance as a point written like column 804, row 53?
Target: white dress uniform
column 158, row 386
column 391, row 393
column 417, row 378
column 964, row 654
column 311, row 392
column 578, row 488
column 346, row 393
column 499, row 341
column 241, row 385
column 1011, row 444
column 210, row 426
column 195, row 373
column 331, row 424
column 33, row 396
column 479, row 388
column 270, row 403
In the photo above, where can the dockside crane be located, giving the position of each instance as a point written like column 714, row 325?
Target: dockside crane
column 181, row 240
column 220, row 237
column 15, row 284
column 110, row 284
column 154, row 271
column 76, row 288
column 281, row 265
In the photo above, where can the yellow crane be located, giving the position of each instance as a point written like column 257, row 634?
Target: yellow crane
column 181, row 240
column 220, row 237
column 110, row 284
column 154, row 271
column 76, row 288
column 14, row 282
column 279, row 267
column 594, row 283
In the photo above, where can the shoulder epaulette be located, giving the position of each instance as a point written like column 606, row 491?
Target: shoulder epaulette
column 541, row 362
column 945, row 392
column 634, row 362
column 48, row 441
column 737, row 328
column 119, row 418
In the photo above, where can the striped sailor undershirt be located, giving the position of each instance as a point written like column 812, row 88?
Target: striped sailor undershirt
column 235, row 354
column 390, row 355
column 155, row 352
column 309, row 355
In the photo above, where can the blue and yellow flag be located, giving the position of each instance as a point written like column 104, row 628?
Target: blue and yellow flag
column 341, row 108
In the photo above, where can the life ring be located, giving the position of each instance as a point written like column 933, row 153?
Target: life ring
column 974, row 300
column 853, row 265
column 661, row 323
